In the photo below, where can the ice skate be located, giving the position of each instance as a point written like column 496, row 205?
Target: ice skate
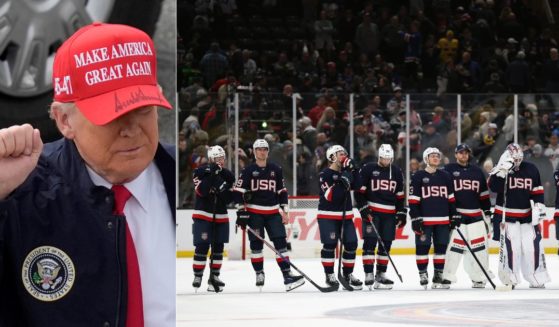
column 196, row 283
column 331, row 280
column 478, row 284
column 383, row 283
column 439, row 282
column 369, row 280
column 354, row 282
column 423, row 279
column 260, row 277
column 220, row 284
column 292, row 281
column 535, row 286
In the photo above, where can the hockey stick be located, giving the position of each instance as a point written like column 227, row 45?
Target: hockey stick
column 502, row 259
column 214, row 241
column 477, row 260
column 341, row 278
column 278, row 253
column 384, row 248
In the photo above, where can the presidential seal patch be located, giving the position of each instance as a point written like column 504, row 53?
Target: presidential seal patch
column 48, row 273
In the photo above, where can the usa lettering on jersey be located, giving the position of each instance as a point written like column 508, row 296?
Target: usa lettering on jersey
column 434, row 191
column 263, row 185
column 520, row 183
column 466, row 185
column 383, row 185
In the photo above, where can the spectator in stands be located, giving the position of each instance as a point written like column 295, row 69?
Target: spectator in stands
column 552, row 150
column 473, row 69
column 393, row 41
column 431, row 138
column 307, row 133
column 361, row 138
column 545, row 168
column 397, row 102
column 323, row 30
column 448, row 47
column 494, row 85
column 316, row 112
column 249, row 66
column 412, row 54
column 517, row 75
column 367, row 36
column 414, row 166
column 213, row 65
column 551, row 70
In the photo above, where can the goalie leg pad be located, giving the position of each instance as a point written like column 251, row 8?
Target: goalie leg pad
column 533, row 261
column 454, row 253
column 510, row 254
column 477, row 237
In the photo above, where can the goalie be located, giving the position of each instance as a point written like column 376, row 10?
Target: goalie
column 472, row 204
column 516, row 183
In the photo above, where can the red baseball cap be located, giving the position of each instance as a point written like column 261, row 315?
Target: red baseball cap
column 107, row 70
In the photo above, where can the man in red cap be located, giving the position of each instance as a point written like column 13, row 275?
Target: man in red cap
column 87, row 222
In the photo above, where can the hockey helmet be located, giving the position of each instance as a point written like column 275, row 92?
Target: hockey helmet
column 331, row 152
column 215, row 152
column 260, row 143
column 385, row 151
column 516, row 153
column 429, row 151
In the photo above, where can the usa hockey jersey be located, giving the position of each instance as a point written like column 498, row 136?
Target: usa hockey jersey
column 266, row 186
column 470, row 191
column 380, row 188
column 204, row 182
column 523, row 185
column 432, row 197
column 332, row 193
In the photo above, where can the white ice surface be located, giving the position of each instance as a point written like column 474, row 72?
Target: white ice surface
column 408, row 304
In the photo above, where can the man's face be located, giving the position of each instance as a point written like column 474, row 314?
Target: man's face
column 434, row 159
column 220, row 161
column 120, row 150
column 261, row 153
column 462, row 157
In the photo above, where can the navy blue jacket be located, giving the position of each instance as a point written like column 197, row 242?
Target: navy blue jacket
column 62, row 251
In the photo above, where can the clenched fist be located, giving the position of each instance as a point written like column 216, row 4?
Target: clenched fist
column 20, row 148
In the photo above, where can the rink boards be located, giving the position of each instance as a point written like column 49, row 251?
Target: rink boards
column 303, row 234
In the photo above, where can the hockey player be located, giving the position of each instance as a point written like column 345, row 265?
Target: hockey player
column 432, row 209
column 472, row 198
column 516, row 182
column 336, row 182
column 260, row 194
column 212, row 185
column 381, row 201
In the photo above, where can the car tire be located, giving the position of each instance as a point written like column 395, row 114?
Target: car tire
column 142, row 14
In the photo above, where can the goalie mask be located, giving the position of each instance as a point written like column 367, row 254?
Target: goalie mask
column 331, row 153
column 428, row 152
column 516, row 153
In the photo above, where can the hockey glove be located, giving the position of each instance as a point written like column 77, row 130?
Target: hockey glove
column 401, row 217
column 417, row 225
column 503, row 166
column 455, row 221
column 242, row 218
column 247, row 196
column 366, row 214
column 540, row 210
column 346, row 179
column 348, row 164
column 213, row 169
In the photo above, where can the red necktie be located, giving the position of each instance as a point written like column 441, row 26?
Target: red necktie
column 135, row 312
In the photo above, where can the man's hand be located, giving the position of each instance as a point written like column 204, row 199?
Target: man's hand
column 213, row 169
column 417, row 225
column 346, row 180
column 401, row 217
column 540, row 211
column 455, row 221
column 366, row 214
column 348, row 164
column 20, row 148
column 242, row 218
column 284, row 212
